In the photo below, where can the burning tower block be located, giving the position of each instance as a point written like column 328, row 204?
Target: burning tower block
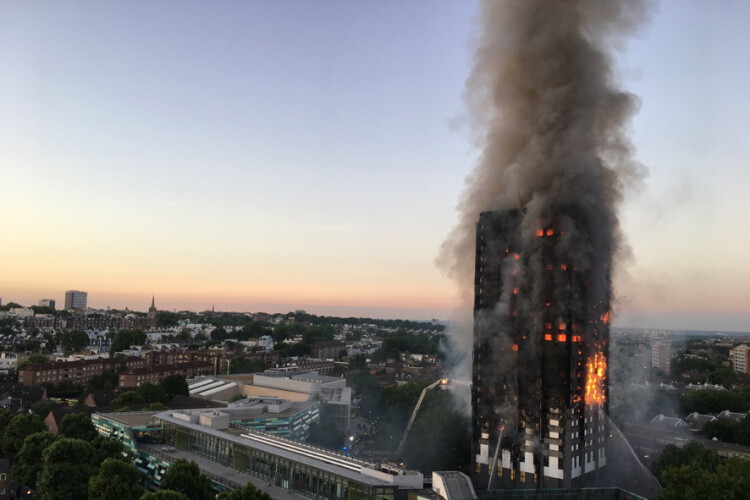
column 539, row 388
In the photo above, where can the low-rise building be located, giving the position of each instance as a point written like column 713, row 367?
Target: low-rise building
column 327, row 350
column 234, row 456
column 8, row 362
column 137, row 376
column 5, row 484
column 77, row 372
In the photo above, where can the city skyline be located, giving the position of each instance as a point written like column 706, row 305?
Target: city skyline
column 284, row 156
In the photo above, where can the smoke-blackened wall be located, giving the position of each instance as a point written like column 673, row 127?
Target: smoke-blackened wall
column 551, row 124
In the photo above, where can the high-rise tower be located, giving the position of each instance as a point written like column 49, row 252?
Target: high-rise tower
column 75, row 299
column 539, row 389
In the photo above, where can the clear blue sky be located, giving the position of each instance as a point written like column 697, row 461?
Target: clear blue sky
column 278, row 155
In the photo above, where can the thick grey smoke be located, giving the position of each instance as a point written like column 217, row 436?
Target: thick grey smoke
column 551, row 125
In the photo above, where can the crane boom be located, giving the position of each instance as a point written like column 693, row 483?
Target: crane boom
column 414, row 414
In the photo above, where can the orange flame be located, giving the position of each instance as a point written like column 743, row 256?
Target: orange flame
column 605, row 318
column 596, row 374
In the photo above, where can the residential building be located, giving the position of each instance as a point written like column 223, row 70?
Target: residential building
column 137, row 376
column 5, row 483
column 740, row 357
column 661, row 356
column 77, row 372
column 539, row 378
column 327, row 350
column 75, row 299
column 8, row 362
column 47, row 303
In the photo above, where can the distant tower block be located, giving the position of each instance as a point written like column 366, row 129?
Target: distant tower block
column 75, row 299
column 539, row 389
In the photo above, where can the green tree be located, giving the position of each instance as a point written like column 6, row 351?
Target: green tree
column 73, row 341
column 693, row 452
column 103, row 382
column 158, row 406
column 219, row 333
column 107, row 447
column 43, row 407
column 730, row 480
column 128, row 398
column 372, row 399
column 78, row 426
column 319, row 333
column 248, row 492
column 174, row 385
column 67, row 466
column 115, row 479
column 440, row 437
column 165, row 495
column 34, row 359
column 123, row 339
column 28, row 461
column 247, row 365
column 186, row 477
column 152, row 393
column 166, row 318
column 17, row 430
column 5, row 418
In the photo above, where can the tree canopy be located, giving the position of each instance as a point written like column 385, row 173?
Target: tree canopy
column 248, row 492
column 174, row 385
column 115, row 479
column 185, row 477
column 730, row 479
column 73, row 341
column 17, row 430
column 78, row 426
column 165, row 495
column 123, row 339
column 28, row 461
column 67, row 466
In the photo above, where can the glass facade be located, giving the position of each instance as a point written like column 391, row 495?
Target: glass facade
column 291, row 427
column 309, row 481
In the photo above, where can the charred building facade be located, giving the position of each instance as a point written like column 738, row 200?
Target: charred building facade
column 539, row 389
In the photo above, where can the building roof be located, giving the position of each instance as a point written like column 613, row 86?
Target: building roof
column 9, row 389
column 59, row 413
column 731, row 416
column 699, row 419
column 307, row 455
column 168, row 368
column 705, row 387
column 458, row 486
column 668, row 421
column 180, row 402
column 102, row 399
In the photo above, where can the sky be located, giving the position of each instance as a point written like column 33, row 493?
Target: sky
column 272, row 156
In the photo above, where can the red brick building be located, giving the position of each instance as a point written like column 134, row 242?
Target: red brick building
column 77, row 372
column 137, row 376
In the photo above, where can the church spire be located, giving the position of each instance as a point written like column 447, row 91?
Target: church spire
column 152, row 309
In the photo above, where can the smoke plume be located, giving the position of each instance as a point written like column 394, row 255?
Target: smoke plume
column 550, row 122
